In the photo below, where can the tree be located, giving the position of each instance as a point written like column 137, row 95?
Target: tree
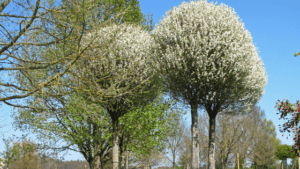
column 53, row 97
column 285, row 108
column 21, row 155
column 208, row 62
column 283, row 152
column 86, row 128
column 251, row 127
column 133, row 12
column 228, row 134
column 154, row 157
column 50, row 43
column 185, row 156
column 133, row 74
column 146, row 129
column 174, row 141
column 265, row 145
column 29, row 32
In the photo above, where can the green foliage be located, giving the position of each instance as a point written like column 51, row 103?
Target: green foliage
column 284, row 151
column 148, row 126
column 19, row 154
column 71, row 117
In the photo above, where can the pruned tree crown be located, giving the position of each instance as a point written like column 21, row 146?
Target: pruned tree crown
column 207, row 46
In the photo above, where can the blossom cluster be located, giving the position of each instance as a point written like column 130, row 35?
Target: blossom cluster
column 211, row 45
column 286, row 108
column 119, row 55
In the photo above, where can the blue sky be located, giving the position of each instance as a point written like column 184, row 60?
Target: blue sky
column 274, row 26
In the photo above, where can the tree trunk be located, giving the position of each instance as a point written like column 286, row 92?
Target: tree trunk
column 195, row 136
column 115, row 148
column 173, row 161
column 94, row 163
column 223, row 163
column 123, row 162
column 238, row 160
column 127, row 157
column 299, row 162
column 211, row 152
column 101, row 163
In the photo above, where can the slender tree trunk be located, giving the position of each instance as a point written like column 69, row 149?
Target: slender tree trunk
column 223, row 163
column 211, row 152
column 122, row 156
column 173, row 161
column 123, row 162
column 101, row 163
column 127, row 157
column 115, row 148
column 195, row 136
column 238, row 161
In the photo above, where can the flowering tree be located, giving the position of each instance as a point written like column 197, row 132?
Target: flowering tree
column 127, row 66
column 285, row 107
column 209, row 61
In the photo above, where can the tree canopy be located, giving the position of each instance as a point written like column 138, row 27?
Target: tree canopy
column 209, row 61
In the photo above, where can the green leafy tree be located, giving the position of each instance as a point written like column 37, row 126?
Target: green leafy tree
column 49, row 107
column 21, row 155
column 283, row 152
column 86, row 128
column 130, row 62
column 209, row 62
column 133, row 12
column 146, row 128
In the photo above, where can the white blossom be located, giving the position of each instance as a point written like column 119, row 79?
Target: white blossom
column 122, row 53
column 210, row 35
